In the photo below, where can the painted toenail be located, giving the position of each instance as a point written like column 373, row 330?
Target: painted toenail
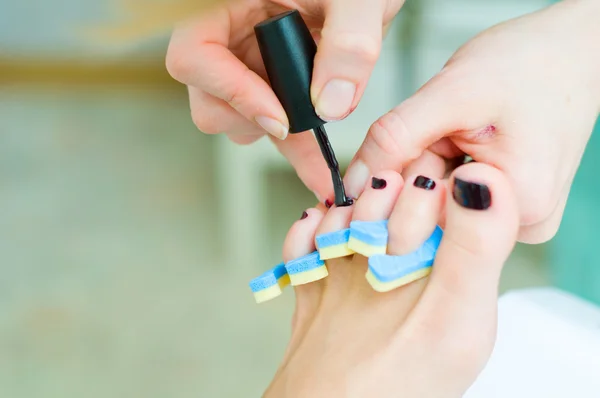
column 424, row 183
column 471, row 195
column 304, row 215
column 328, row 203
column 378, row 183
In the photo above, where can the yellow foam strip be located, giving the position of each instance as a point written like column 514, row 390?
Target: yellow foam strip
column 272, row 291
column 405, row 280
column 267, row 294
column 365, row 249
column 336, row 251
column 314, row 274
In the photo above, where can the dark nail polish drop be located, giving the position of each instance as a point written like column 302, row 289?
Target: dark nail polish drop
column 424, row 183
column 304, row 215
column 378, row 183
column 471, row 195
column 328, row 203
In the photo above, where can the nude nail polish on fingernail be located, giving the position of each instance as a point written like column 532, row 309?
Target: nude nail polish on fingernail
column 356, row 178
column 273, row 127
column 335, row 99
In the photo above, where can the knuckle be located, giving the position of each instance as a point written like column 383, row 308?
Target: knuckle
column 177, row 63
column 361, row 46
column 205, row 123
column 235, row 94
column 390, row 135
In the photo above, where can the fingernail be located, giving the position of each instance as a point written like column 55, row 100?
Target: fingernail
column 471, row 195
column 304, row 215
column 335, row 99
column 272, row 126
column 328, row 203
column 424, row 183
column 356, row 178
column 378, row 183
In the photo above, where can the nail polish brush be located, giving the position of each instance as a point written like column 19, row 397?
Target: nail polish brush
column 288, row 51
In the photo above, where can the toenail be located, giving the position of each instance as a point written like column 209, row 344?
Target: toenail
column 328, row 203
column 378, row 183
column 304, row 215
column 424, row 183
column 471, row 195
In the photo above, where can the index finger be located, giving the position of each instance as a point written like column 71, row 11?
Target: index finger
column 199, row 55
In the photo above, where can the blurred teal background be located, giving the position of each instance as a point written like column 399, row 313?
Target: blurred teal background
column 115, row 245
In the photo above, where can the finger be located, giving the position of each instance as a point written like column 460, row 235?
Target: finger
column 199, row 56
column 481, row 228
column 546, row 229
column 214, row 116
column 244, row 139
column 304, row 154
column 415, row 214
column 438, row 109
column 349, row 46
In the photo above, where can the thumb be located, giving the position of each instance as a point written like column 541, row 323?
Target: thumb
column 441, row 107
column 348, row 49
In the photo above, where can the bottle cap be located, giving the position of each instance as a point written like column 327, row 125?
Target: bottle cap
column 288, row 51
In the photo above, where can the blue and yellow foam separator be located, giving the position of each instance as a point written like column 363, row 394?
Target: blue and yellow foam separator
column 388, row 272
column 334, row 244
column 368, row 238
column 270, row 284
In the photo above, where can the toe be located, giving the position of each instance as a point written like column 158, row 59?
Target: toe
column 300, row 238
column 460, row 300
column 378, row 199
column 415, row 214
column 368, row 229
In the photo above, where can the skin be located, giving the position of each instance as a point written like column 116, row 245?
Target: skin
column 350, row 341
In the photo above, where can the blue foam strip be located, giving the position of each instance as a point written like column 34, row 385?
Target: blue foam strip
column 305, row 263
column 389, row 268
column 373, row 233
column 333, row 238
column 268, row 279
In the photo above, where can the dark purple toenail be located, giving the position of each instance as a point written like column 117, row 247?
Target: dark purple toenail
column 304, row 215
column 378, row 183
column 471, row 195
column 424, row 183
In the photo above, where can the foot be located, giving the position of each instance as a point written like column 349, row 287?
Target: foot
column 429, row 338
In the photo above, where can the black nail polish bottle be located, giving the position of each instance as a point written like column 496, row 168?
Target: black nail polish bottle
column 288, row 51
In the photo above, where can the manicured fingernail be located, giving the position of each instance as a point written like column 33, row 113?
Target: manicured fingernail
column 471, row 195
column 335, row 99
column 304, row 215
column 424, row 183
column 272, row 126
column 328, row 203
column 378, row 183
column 356, row 178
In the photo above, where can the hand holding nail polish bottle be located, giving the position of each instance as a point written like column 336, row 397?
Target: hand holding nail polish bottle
column 288, row 51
